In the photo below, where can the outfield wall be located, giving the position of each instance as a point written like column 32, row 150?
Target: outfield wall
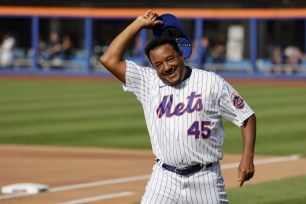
column 93, row 29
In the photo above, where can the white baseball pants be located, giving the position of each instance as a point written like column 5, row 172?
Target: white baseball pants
column 203, row 187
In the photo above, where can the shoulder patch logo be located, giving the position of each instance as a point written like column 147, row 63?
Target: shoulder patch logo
column 237, row 101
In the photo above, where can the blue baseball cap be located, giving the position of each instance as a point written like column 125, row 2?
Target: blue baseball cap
column 172, row 27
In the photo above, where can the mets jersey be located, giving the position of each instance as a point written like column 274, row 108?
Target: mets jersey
column 185, row 121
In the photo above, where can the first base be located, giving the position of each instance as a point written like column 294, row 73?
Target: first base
column 24, row 188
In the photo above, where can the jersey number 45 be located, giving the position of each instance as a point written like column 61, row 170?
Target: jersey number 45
column 200, row 128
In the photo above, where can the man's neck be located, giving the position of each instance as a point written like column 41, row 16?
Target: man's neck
column 187, row 73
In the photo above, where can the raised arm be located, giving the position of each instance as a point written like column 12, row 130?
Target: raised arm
column 113, row 59
column 246, row 168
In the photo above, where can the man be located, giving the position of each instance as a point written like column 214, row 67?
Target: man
column 183, row 108
column 7, row 50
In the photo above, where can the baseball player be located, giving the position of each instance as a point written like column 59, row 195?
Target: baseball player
column 183, row 108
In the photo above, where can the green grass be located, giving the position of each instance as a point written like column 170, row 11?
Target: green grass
column 100, row 114
column 285, row 191
column 70, row 114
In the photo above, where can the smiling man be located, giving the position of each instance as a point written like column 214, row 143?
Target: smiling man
column 167, row 59
column 183, row 108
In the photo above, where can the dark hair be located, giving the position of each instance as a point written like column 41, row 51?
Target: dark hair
column 161, row 41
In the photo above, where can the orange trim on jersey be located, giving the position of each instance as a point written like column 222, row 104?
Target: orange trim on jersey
column 134, row 12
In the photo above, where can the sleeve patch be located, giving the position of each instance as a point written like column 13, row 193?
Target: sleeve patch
column 237, row 101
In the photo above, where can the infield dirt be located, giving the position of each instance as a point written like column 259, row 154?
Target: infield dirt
column 64, row 167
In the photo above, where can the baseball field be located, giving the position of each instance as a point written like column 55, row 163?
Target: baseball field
column 87, row 140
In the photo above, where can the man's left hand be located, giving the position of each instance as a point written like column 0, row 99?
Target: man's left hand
column 246, row 171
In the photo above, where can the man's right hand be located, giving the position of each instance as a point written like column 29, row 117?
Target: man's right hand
column 148, row 20
column 113, row 58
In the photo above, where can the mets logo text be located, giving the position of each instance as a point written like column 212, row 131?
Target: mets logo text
column 166, row 107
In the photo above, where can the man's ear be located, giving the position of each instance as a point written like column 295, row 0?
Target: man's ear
column 182, row 55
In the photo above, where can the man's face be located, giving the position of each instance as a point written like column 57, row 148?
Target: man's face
column 169, row 64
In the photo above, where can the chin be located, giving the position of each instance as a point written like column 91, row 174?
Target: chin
column 172, row 83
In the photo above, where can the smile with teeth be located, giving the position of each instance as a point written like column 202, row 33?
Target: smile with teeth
column 170, row 72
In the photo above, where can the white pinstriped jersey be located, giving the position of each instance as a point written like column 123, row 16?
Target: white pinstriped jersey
column 184, row 122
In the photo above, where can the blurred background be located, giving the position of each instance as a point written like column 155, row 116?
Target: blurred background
column 258, row 38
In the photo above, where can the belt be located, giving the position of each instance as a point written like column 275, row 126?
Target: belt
column 184, row 171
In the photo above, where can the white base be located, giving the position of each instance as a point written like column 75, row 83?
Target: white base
column 24, row 188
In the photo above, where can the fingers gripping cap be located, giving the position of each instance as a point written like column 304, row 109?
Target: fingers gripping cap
column 172, row 27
